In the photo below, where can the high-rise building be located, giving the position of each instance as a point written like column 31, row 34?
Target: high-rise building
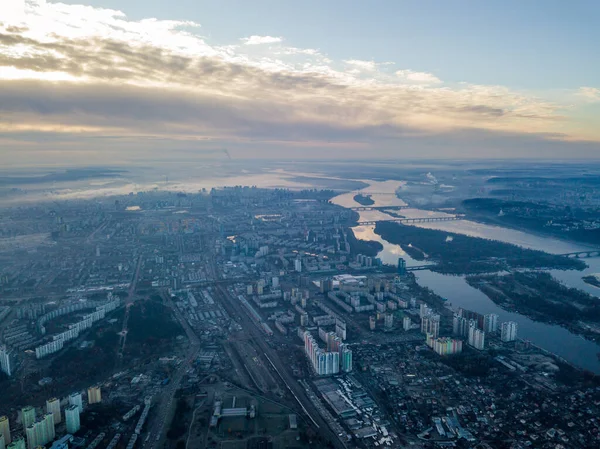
column 406, row 323
column 444, row 346
column 27, row 416
column 460, row 326
column 31, row 436
column 94, row 394
column 75, row 399
column 49, row 425
column 324, row 362
column 5, row 360
column 340, row 329
column 298, row 265
column 346, row 360
column 17, row 443
column 401, row 266
column 430, row 324
column 72, row 419
column 490, row 322
column 53, row 406
column 41, row 432
column 508, row 331
column 389, row 321
column 5, row 429
column 372, row 322
column 423, row 310
column 476, row 336
column 470, row 315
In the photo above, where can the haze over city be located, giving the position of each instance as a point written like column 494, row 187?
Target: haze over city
column 299, row 225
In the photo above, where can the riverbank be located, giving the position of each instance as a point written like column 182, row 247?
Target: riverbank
column 458, row 293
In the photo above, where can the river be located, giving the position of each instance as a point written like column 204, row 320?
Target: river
column 553, row 338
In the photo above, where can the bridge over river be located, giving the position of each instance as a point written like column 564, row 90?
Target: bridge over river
column 364, row 208
column 583, row 254
column 412, row 220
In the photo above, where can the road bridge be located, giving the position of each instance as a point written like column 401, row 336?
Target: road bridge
column 418, row 268
column 359, row 192
column 363, row 208
column 582, row 254
column 412, row 220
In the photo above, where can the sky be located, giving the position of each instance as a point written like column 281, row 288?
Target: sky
column 117, row 82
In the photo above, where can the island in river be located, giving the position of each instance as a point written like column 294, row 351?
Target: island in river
column 539, row 296
column 364, row 200
column 592, row 279
column 462, row 254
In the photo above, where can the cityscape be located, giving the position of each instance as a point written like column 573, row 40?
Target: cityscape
column 303, row 224
column 254, row 317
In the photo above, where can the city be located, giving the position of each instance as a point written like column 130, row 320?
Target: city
column 303, row 224
column 249, row 316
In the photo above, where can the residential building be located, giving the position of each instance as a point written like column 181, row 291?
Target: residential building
column 430, row 324
column 27, row 416
column 17, row 443
column 346, row 360
column 53, row 406
column 5, row 429
column 476, row 336
column 75, row 399
column 72, row 419
column 508, row 331
column 5, row 360
column 94, row 394
column 490, row 322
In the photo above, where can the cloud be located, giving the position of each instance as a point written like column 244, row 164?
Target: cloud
column 418, row 77
column 81, row 73
column 590, row 93
column 369, row 66
column 258, row 40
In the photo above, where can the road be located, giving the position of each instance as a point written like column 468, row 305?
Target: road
column 234, row 308
column 164, row 401
column 128, row 303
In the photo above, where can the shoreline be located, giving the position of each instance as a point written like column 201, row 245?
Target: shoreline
column 449, row 306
